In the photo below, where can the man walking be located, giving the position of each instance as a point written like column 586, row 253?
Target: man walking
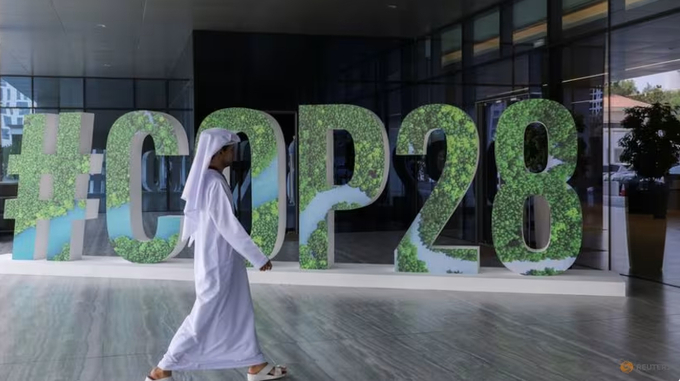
column 219, row 333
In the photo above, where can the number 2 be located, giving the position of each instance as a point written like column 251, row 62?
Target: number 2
column 416, row 251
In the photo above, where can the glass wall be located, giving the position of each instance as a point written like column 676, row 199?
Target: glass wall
column 595, row 57
column 483, row 64
column 486, row 36
column 581, row 16
column 583, row 81
column 645, row 71
column 529, row 22
column 451, row 41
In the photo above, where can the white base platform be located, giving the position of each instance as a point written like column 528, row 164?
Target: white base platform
column 574, row 282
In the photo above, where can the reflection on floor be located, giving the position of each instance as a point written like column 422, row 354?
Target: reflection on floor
column 97, row 329
column 671, row 267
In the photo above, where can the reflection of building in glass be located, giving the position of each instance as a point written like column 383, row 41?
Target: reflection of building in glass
column 614, row 113
column 596, row 101
column 6, row 136
column 16, row 106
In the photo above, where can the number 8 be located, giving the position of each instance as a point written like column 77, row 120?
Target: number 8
column 519, row 183
column 417, row 251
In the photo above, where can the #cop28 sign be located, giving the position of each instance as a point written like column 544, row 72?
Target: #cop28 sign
column 55, row 165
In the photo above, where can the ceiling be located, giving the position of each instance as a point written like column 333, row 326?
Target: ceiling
column 146, row 38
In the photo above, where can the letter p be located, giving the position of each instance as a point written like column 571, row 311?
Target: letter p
column 319, row 196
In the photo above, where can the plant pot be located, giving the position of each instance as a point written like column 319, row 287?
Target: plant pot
column 646, row 217
column 646, row 244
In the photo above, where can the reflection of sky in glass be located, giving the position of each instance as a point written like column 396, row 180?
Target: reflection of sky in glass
column 668, row 81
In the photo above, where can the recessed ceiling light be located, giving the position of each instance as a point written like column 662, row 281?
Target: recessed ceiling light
column 107, row 65
column 101, row 26
column 391, row 6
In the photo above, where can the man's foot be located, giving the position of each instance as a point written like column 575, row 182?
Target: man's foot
column 258, row 368
column 159, row 374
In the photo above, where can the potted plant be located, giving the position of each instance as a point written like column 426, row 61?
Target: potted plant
column 651, row 148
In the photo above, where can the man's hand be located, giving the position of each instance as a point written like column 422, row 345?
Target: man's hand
column 267, row 267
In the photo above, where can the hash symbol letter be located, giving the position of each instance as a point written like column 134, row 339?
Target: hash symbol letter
column 54, row 169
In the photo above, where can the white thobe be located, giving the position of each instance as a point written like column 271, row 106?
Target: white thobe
column 220, row 331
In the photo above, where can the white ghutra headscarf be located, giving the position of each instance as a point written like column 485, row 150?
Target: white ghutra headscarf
column 209, row 143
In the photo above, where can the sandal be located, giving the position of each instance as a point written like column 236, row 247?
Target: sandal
column 160, row 379
column 265, row 376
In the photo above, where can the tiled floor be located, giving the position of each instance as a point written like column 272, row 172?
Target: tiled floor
column 74, row 329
